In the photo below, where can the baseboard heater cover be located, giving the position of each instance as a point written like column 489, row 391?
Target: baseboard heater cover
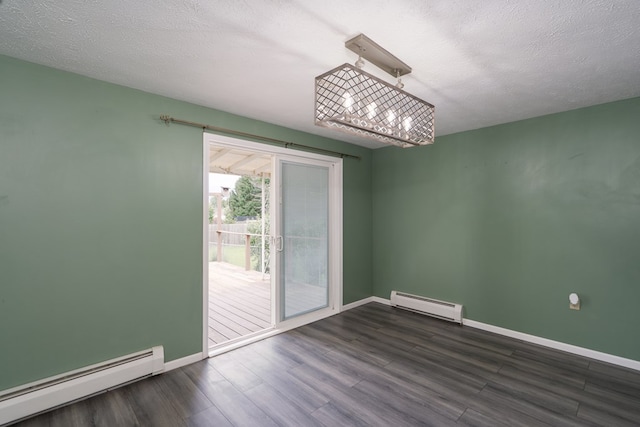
column 31, row 399
column 429, row 306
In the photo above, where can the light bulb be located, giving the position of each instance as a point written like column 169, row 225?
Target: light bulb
column 371, row 110
column 407, row 123
column 391, row 116
column 348, row 102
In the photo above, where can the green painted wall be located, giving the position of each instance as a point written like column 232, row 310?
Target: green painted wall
column 508, row 220
column 100, row 221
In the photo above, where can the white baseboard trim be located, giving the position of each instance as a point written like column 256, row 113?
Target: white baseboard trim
column 31, row 399
column 384, row 301
column 365, row 301
column 557, row 345
column 184, row 361
column 355, row 304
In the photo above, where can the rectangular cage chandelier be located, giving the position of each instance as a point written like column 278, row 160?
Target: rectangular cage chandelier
column 353, row 101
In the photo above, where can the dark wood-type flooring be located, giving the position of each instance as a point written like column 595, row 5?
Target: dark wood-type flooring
column 373, row 365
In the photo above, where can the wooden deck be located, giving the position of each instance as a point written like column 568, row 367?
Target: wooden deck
column 239, row 302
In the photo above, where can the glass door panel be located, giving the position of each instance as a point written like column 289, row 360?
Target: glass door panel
column 303, row 244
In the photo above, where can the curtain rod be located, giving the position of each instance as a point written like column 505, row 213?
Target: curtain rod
column 168, row 119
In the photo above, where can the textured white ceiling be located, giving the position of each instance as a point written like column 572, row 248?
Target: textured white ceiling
column 479, row 62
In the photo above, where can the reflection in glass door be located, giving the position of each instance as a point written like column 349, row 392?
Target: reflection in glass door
column 303, row 241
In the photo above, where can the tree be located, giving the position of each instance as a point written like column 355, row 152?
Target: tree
column 245, row 199
column 212, row 209
column 255, row 228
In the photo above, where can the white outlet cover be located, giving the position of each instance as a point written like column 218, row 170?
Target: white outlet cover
column 574, row 299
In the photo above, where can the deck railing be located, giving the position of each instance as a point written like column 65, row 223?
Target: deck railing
column 247, row 246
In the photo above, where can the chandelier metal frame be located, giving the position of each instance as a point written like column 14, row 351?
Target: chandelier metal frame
column 351, row 100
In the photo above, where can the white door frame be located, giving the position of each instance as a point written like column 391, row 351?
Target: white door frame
column 335, row 238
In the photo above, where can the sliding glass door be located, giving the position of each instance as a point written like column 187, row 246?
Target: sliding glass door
column 303, row 230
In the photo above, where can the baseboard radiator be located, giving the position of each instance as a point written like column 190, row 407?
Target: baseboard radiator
column 431, row 307
column 30, row 399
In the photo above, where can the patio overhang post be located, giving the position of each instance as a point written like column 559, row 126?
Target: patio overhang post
column 247, row 252
column 262, row 226
column 219, row 223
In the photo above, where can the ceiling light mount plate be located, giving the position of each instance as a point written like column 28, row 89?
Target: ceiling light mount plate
column 377, row 55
